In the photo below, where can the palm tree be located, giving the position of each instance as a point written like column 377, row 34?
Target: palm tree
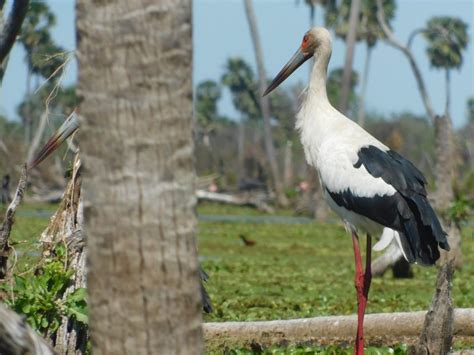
column 447, row 38
column 138, row 177
column 240, row 79
column 264, row 105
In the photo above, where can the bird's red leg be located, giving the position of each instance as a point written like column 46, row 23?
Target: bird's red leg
column 362, row 285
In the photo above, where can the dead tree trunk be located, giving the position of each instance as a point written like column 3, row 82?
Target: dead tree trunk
column 7, row 224
column 437, row 334
column 66, row 228
column 445, row 166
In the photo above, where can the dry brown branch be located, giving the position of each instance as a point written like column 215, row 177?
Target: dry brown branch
column 382, row 328
column 17, row 337
column 7, row 223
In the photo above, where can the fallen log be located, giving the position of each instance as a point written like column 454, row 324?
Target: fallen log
column 379, row 329
column 246, row 199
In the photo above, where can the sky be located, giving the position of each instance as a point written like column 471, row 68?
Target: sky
column 220, row 31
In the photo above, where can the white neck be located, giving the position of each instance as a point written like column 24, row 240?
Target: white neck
column 317, row 83
column 316, row 118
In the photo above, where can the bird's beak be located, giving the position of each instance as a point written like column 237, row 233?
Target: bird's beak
column 294, row 63
column 67, row 128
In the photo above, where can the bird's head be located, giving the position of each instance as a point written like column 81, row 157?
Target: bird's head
column 316, row 42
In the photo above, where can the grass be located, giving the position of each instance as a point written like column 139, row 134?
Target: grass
column 306, row 270
column 293, row 271
column 30, row 221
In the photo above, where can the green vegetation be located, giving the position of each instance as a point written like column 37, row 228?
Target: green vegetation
column 40, row 297
column 292, row 271
column 305, row 270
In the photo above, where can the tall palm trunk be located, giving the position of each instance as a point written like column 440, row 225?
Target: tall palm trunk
column 135, row 70
column 264, row 105
column 27, row 121
column 350, row 45
column 241, row 151
column 448, row 92
column 363, row 91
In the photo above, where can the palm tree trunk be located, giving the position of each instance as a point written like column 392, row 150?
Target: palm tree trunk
column 27, row 121
column 365, row 78
column 350, row 45
column 241, row 151
column 264, row 105
column 448, row 92
column 135, row 80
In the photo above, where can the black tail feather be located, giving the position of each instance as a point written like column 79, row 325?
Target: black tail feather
column 422, row 231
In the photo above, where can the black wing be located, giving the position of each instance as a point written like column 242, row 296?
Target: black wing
column 407, row 211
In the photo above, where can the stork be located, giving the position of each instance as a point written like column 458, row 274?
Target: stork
column 372, row 188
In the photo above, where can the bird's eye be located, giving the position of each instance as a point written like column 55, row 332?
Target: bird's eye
column 305, row 41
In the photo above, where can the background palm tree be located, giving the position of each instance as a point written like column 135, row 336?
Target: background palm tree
column 447, row 39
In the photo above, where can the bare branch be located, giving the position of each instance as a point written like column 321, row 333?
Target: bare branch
column 12, row 28
column 37, row 138
column 392, row 40
column 413, row 35
column 6, row 226
column 17, row 337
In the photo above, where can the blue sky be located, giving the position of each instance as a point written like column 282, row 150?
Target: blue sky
column 221, row 31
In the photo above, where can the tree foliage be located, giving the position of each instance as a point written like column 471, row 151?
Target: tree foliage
column 333, row 87
column 43, row 55
column 470, row 109
column 368, row 29
column 447, row 38
column 208, row 94
column 240, row 79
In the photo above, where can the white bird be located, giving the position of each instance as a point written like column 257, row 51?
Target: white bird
column 372, row 188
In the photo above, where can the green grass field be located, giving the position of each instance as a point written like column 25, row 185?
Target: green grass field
column 293, row 270
column 305, row 270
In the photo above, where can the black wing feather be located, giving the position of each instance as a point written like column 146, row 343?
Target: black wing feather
column 408, row 211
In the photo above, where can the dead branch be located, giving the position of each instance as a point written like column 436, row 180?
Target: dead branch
column 17, row 337
column 37, row 137
column 10, row 30
column 392, row 40
column 7, row 223
column 382, row 328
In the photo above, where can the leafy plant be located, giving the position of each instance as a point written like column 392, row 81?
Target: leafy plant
column 41, row 298
column 460, row 210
